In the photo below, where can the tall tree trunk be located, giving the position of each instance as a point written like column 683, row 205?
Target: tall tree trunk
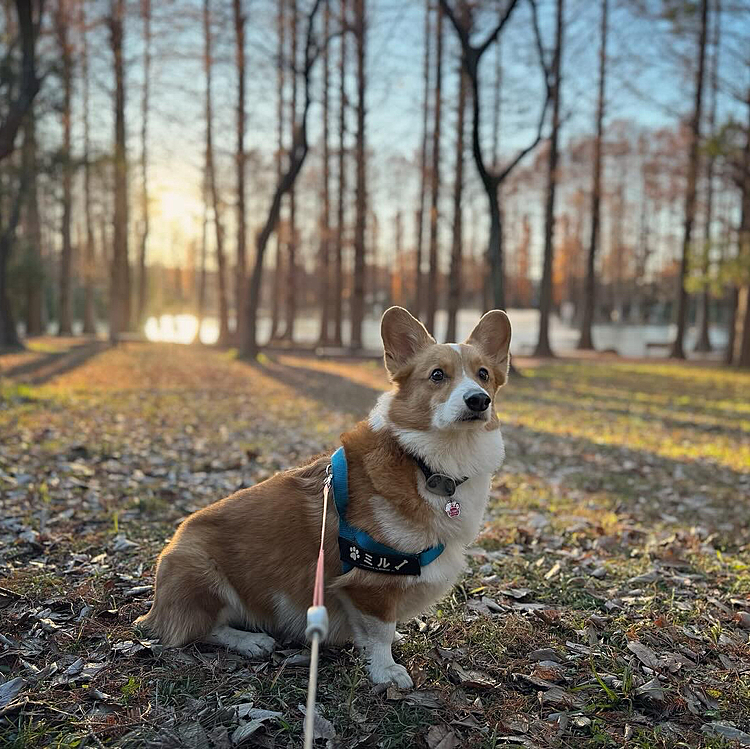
column 297, row 156
column 142, row 277
column 678, row 351
column 358, row 291
column 585, row 342
column 740, row 348
column 543, row 347
column 338, row 312
column 204, row 256
column 454, row 288
column 211, row 174
column 325, row 219
column 62, row 33
column 278, row 275
column 241, row 271
column 291, row 279
column 89, row 265
column 434, row 277
column 703, row 344
column 32, row 230
column 418, row 282
column 120, row 269
column 397, row 273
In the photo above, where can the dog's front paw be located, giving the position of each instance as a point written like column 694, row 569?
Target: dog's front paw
column 394, row 674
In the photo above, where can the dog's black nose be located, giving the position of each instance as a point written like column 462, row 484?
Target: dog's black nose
column 477, row 401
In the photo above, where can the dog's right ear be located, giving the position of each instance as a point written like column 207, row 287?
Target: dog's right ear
column 403, row 336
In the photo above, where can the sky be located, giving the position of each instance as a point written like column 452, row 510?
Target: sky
column 651, row 83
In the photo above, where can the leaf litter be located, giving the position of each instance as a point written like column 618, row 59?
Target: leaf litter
column 602, row 604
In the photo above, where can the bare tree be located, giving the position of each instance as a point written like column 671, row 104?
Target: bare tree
column 491, row 178
column 418, row 282
column 62, row 18
column 241, row 270
column 703, row 344
column 585, row 342
column 325, row 218
column 119, row 295
column 89, row 272
column 432, row 284
column 358, row 290
column 454, row 284
column 543, row 347
column 291, row 258
column 297, row 155
column 211, row 176
column 678, row 351
column 278, row 290
column 338, row 312
column 32, row 229
column 143, row 239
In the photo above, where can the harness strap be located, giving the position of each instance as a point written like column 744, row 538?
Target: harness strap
column 358, row 548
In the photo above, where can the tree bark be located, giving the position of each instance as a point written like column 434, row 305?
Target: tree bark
column 585, row 342
column 240, row 298
column 32, row 230
column 211, row 174
column 291, row 260
column 703, row 344
column 338, row 312
column 454, row 288
column 358, row 291
column 740, row 349
column 278, row 275
column 297, row 155
column 418, row 283
column 678, row 351
column 29, row 82
column 543, row 347
column 120, row 268
column 325, row 219
column 62, row 34
column 89, row 269
column 142, row 273
column 433, row 281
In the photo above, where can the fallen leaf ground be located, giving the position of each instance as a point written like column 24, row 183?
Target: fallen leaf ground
column 607, row 602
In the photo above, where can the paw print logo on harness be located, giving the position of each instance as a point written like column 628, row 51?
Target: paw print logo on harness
column 354, row 552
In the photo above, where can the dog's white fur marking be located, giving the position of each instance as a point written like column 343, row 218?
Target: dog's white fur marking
column 454, row 407
column 373, row 638
column 249, row 644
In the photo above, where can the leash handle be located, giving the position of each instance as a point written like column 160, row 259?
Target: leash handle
column 317, row 619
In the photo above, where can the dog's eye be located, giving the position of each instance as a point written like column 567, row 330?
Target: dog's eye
column 437, row 375
column 483, row 374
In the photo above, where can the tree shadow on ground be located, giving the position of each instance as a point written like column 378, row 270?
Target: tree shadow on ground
column 334, row 391
column 45, row 367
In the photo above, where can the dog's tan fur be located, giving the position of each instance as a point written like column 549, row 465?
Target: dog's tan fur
column 249, row 559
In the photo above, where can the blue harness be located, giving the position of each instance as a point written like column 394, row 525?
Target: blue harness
column 358, row 548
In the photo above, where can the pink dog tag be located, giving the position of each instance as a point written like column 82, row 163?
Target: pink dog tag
column 453, row 509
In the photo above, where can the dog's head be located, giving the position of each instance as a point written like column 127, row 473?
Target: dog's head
column 449, row 385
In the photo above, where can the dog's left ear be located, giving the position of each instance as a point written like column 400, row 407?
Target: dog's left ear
column 492, row 337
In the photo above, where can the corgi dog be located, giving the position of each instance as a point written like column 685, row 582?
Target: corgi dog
column 411, row 483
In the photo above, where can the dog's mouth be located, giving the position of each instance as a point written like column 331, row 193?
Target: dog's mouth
column 474, row 417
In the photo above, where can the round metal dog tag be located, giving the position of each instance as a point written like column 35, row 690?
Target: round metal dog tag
column 453, row 509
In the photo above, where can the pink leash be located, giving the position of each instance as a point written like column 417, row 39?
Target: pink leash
column 317, row 621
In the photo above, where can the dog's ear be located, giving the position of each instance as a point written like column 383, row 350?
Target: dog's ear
column 403, row 336
column 492, row 337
